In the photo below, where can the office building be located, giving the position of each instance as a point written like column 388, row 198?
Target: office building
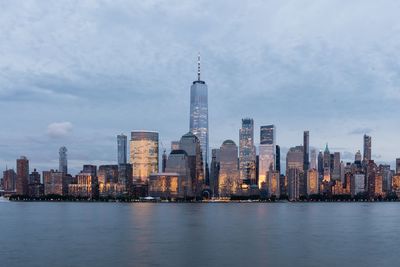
column 295, row 173
column 306, row 151
column 63, row 161
column 122, row 146
column 367, row 148
column 247, row 152
column 266, row 160
column 228, row 172
column 22, row 176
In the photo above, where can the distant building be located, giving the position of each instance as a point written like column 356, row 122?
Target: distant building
column 294, row 172
column 358, row 184
column 122, row 146
column 306, row 151
column 312, row 182
column 107, row 178
column 313, row 159
column 327, row 165
column 367, row 148
column 35, row 187
column 266, row 154
column 247, row 151
column 320, row 165
column 371, row 179
column 144, row 154
column 336, row 174
column 396, row 184
column 278, row 158
column 199, row 115
column 125, row 175
column 9, row 180
column 178, row 163
column 191, row 145
column 63, row 161
column 397, row 165
column 358, row 157
column 85, row 187
column 166, row 185
column 228, row 172
column 214, row 170
column 273, row 184
column 22, row 176
column 55, row 183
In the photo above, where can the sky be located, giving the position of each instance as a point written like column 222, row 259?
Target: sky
column 77, row 73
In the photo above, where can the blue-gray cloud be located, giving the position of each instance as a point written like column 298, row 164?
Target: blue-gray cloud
column 331, row 67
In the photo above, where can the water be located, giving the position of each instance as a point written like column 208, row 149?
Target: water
column 215, row 234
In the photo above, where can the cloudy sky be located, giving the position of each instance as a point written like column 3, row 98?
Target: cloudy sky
column 77, row 73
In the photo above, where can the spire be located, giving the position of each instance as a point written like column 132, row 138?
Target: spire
column 326, row 148
column 198, row 67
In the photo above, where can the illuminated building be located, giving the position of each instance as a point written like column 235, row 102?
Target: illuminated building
column 247, row 152
column 144, row 154
column 107, row 178
column 22, row 176
column 63, row 160
column 367, row 148
column 266, row 158
column 85, row 187
column 327, row 165
column 336, row 167
column 312, row 182
column 178, row 162
column 387, row 174
column 273, row 184
column 165, row 185
column 191, row 145
column 122, row 143
column 396, row 184
column 199, row 114
column 371, row 177
column 313, row 159
column 320, row 166
column 55, row 183
column 294, row 172
column 228, row 173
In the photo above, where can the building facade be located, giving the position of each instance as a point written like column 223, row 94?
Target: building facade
column 122, row 146
column 228, row 181
column 247, row 152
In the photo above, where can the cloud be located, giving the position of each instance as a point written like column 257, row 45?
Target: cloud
column 361, row 131
column 59, row 129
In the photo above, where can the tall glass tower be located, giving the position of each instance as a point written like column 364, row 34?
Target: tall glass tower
column 63, row 162
column 247, row 151
column 199, row 113
column 122, row 142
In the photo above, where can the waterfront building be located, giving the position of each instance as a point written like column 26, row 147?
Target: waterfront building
column 22, row 176
column 107, row 178
column 266, row 154
column 9, row 180
column 166, row 185
column 327, row 165
column 273, row 184
column 125, row 176
column 191, row 145
column 122, row 146
column 228, row 173
column 312, row 182
column 295, row 172
column 336, row 171
column 358, row 184
column 371, row 178
column 178, row 163
column 247, row 152
column 387, row 174
column 367, row 148
column 214, row 170
column 55, row 183
column 63, row 160
column 35, row 187
column 144, row 154
column 199, row 114
column 396, row 184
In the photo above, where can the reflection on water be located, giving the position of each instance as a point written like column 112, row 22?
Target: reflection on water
column 214, row 234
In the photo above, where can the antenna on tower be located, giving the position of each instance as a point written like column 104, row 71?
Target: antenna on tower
column 198, row 67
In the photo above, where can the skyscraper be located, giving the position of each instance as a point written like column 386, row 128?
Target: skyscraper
column 122, row 148
column 313, row 159
column 199, row 114
column 367, row 147
column 306, row 147
column 247, row 151
column 22, row 176
column 327, row 164
column 266, row 153
column 228, row 172
column 144, row 154
column 397, row 165
column 295, row 173
column 63, row 160
column 278, row 158
column 357, row 157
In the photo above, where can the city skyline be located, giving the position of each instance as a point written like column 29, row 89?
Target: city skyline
column 79, row 98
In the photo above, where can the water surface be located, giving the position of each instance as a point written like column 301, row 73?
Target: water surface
column 215, row 234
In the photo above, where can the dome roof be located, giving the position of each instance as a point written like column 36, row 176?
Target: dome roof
column 228, row 142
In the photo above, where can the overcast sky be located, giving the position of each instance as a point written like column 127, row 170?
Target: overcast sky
column 77, row 73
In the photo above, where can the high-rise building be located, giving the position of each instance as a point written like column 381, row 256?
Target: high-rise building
column 22, row 176
column 107, row 174
column 336, row 173
column 306, row 152
column 313, row 159
column 178, row 162
column 312, row 182
column 278, row 158
column 125, row 175
column 62, row 160
column 367, row 148
column 229, row 171
column 122, row 144
column 357, row 183
column 190, row 143
column 247, row 151
column 397, row 165
column 273, row 184
column 9, row 180
column 371, row 177
column 266, row 154
column 214, row 170
column 327, row 165
column 295, row 173
column 320, row 165
column 199, row 114
column 144, row 154
column 55, row 183
column 35, row 187
column 358, row 157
